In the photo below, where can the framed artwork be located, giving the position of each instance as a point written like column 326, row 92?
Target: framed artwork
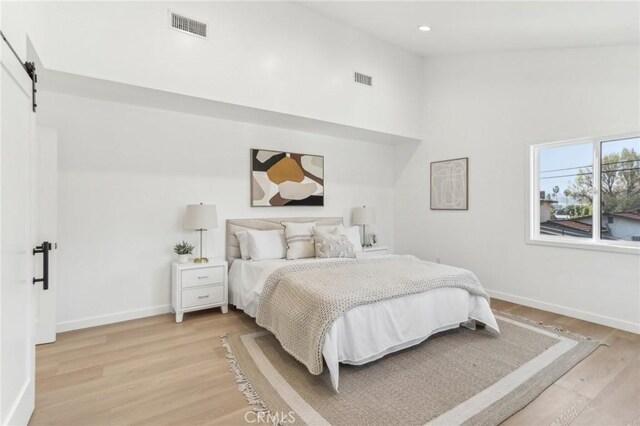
column 286, row 179
column 450, row 184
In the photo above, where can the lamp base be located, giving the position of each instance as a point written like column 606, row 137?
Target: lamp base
column 201, row 260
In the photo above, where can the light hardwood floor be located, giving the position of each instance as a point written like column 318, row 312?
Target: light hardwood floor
column 153, row 371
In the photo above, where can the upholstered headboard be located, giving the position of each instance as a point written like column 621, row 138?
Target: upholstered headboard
column 235, row 225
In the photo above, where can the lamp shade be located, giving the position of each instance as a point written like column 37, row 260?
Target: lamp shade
column 201, row 216
column 364, row 216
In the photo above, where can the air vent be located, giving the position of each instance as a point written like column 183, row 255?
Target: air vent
column 360, row 78
column 188, row 25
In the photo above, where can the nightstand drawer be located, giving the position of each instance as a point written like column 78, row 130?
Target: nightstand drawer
column 202, row 296
column 202, row 276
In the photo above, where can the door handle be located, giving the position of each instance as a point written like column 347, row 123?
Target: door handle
column 44, row 249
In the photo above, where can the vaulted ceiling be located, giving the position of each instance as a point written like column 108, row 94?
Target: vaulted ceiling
column 462, row 27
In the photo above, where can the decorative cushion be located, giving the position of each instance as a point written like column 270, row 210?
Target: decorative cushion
column 299, row 239
column 333, row 247
column 243, row 241
column 266, row 245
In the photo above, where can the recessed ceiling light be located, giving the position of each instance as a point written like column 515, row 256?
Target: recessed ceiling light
column 424, row 28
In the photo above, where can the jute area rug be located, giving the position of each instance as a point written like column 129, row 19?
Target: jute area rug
column 456, row 377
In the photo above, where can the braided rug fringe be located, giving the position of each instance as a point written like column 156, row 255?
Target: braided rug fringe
column 243, row 382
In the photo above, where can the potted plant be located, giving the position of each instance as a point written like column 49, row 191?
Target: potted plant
column 183, row 250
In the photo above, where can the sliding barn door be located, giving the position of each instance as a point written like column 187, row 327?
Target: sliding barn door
column 45, row 220
column 17, row 349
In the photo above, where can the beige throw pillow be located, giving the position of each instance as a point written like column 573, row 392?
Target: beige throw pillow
column 299, row 239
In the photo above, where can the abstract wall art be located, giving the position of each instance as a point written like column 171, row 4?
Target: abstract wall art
column 450, row 184
column 286, row 179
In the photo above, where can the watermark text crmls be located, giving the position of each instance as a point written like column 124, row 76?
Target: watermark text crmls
column 265, row 417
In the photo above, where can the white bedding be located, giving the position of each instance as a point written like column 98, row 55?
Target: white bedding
column 369, row 332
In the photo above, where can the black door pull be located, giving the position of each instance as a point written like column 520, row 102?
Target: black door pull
column 44, row 249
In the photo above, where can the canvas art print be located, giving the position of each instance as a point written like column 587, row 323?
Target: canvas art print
column 286, row 179
column 450, row 184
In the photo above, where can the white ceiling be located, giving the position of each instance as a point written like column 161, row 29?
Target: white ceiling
column 460, row 27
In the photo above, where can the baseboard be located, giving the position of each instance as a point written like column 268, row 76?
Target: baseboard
column 533, row 303
column 112, row 318
column 570, row 312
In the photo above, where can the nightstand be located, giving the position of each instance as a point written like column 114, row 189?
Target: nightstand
column 373, row 251
column 196, row 286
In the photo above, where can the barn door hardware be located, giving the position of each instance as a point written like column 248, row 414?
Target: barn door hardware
column 29, row 68
column 44, row 249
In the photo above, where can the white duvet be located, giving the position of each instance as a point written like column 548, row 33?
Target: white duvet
column 366, row 333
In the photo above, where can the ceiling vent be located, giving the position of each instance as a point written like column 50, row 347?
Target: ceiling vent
column 187, row 25
column 360, row 78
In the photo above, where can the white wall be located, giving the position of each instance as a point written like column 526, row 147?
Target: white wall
column 284, row 58
column 277, row 56
column 19, row 21
column 490, row 108
column 621, row 228
column 127, row 173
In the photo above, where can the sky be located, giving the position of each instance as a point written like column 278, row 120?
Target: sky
column 574, row 157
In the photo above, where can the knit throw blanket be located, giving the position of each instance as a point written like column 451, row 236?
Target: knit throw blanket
column 300, row 302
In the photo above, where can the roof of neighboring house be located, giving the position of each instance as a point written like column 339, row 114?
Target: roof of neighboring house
column 586, row 227
column 543, row 200
column 570, row 228
column 626, row 215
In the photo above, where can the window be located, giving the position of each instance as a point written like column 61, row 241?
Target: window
column 587, row 192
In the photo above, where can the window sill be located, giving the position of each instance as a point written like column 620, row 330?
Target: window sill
column 577, row 243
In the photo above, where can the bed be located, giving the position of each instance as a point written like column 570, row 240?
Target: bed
column 366, row 332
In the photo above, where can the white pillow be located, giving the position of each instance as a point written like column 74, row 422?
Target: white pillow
column 266, row 245
column 334, row 231
column 299, row 239
column 243, row 242
column 328, row 229
column 353, row 234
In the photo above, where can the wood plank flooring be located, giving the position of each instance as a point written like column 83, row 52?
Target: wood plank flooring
column 153, row 371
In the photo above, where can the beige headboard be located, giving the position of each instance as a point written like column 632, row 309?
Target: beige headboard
column 235, row 225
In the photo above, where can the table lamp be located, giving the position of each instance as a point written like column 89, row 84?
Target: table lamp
column 364, row 216
column 201, row 217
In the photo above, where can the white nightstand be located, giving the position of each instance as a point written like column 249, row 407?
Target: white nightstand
column 373, row 251
column 196, row 286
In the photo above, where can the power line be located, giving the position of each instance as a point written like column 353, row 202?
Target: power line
column 591, row 173
column 561, row 176
column 588, row 166
column 620, row 170
column 616, row 162
column 568, row 168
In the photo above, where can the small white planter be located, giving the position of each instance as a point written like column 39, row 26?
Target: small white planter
column 183, row 258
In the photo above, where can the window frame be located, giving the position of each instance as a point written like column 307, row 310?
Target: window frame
column 594, row 243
